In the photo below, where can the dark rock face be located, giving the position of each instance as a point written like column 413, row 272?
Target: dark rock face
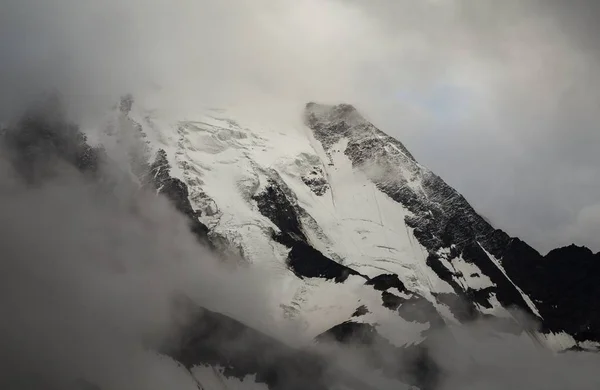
column 316, row 181
column 563, row 285
column 351, row 332
column 560, row 284
column 463, row 302
column 386, row 281
column 276, row 203
column 177, row 192
column 412, row 365
column 415, row 308
column 361, row 311
column 44, row 142
column 210, row 338
column 157, row 174
column 307, row 262
column 441, row 218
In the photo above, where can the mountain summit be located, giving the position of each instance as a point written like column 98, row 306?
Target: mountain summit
column 363, row 247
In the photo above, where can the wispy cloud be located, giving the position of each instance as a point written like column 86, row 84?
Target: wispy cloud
column 522, row 136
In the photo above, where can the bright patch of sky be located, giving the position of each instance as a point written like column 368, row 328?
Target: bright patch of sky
column 444, row 102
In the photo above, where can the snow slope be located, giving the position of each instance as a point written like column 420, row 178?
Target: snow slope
column 225, row 163
column 351, row 228
column 342, row 209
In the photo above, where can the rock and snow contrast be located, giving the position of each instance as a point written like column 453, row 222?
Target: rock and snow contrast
column 362, row 245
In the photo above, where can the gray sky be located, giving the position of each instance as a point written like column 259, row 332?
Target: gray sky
column 499, row 101
column 498, row 97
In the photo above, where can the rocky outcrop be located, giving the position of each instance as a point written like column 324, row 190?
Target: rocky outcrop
column 177, row 192
column 209, row 338
column 412, row 365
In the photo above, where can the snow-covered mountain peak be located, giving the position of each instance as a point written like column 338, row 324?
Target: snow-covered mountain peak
column 326, row 113
column 333, row 122
column 339, row 186
column 359, row 243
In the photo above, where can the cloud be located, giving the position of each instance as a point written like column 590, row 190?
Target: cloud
column 586, row 226
column 520, row 143
column 486, row 360
column 474, row 356
column 516, row 134
column 90, row 268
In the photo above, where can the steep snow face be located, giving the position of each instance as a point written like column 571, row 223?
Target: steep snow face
column 331, row 208
column 359, row 240
column 489, row 270
column 337, row 189
column 408, row 196
column 249, row 183
column 362, row 245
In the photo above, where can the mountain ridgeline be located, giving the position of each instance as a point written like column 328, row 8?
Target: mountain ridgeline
column 440, row 263
column 559, row 284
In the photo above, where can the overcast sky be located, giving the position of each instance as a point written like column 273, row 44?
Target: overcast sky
column 500, row 98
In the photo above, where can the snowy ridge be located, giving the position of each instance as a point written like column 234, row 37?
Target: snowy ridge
column 349, row 218
column 224, row 165
column 356, row 234
column 525, row 297
column 404, row 184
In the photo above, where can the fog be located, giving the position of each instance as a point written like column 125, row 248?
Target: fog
column 89, row 271
column 92, row 262
column 499, row 98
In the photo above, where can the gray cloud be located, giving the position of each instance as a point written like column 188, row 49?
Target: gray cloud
column 86, row 276
column 498, row 98
column 88, row 273
column 488, row 361
column 520, row 143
